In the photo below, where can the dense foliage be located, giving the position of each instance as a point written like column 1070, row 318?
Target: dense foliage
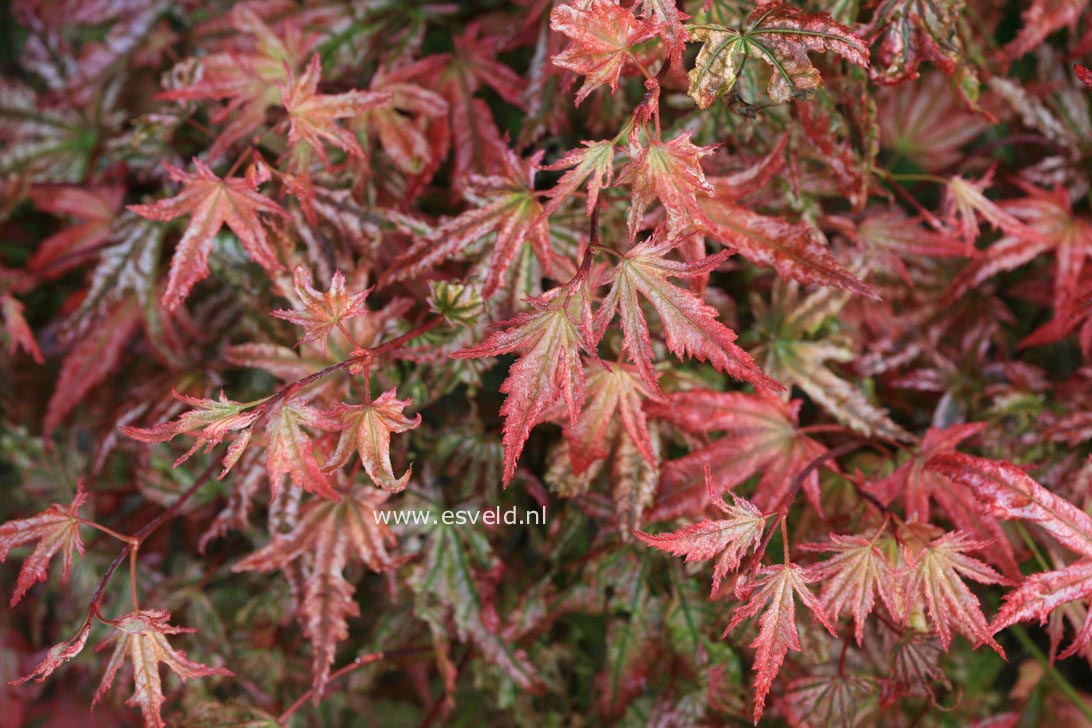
column 789, row 298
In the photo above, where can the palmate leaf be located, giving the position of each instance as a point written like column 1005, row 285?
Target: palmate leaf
column 323, row 312
column 329, row 536
column 1041, row 594
column 549, row 369
column 781, row 36
column 853, row 577
column 911, row 32
column 593, row 164
column 760, row 435
column 216, row 419
column 247, row 81
column 211, row 202
column 797, row 250
column 1049, row 225
column 142, row 639
column 367, row 428
column 506, row 208
column 671, row 173
column 601, row 35
column 935, row 581
column 613, row 392
column 1005, row 491
column 729, row 538
column 690, row 326
column 56, row 530
column 312, row 116
column 918, row 484
column 774, row 593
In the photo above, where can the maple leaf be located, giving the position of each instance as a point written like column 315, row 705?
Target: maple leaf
column 667, row 19
column 601, row 35
column 19, row 334
column 56, row 530
column 926, row 122
column 828, row 700
column 730, row 537
column 249, row 80
column 419, row 146
column 289, row 450
column 690, row 326
column 789, row 355
column 549, row 342
column 323, row 312
column 506, row 209
column 1053, row 227
column 671, row 173
column 760, row 435
column 312, row 115
column 91, row 360
column 96, row 207
column 592, row 164
column 918, row 483
column 1041, row 18
column 935, row 579
column 964, row 202
column 367, row 428
column 774, row 593
column 795, row 250
column 1005, row 491
column 853, row 577
column 913, row 32
column 612, row 389
column 477, row 143
column 217, row 419
column 329, row 536
column 211, row 201
column 57, row 655
column 781, row 36
column 141, row 637
column 1040, row 594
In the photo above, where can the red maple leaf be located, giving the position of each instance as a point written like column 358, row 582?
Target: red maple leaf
column 760, row 435
column 367, row 428
column 95, row 207
column 774, row 593
column 506, row 209
column 1041, row 594
column 612, row 390
column 211, row 202
column 141, row 637
column 549, row 342
column 323, row 312
column 934, row 580
column 671, row 173
column 731, row 537
column 919, row 484
column 328, row 537
column 56, row 530
column 690, row 326
column 1005, row 491
column 248, row 80
column 312, row 116
column 853, row 577
column 601, row 38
